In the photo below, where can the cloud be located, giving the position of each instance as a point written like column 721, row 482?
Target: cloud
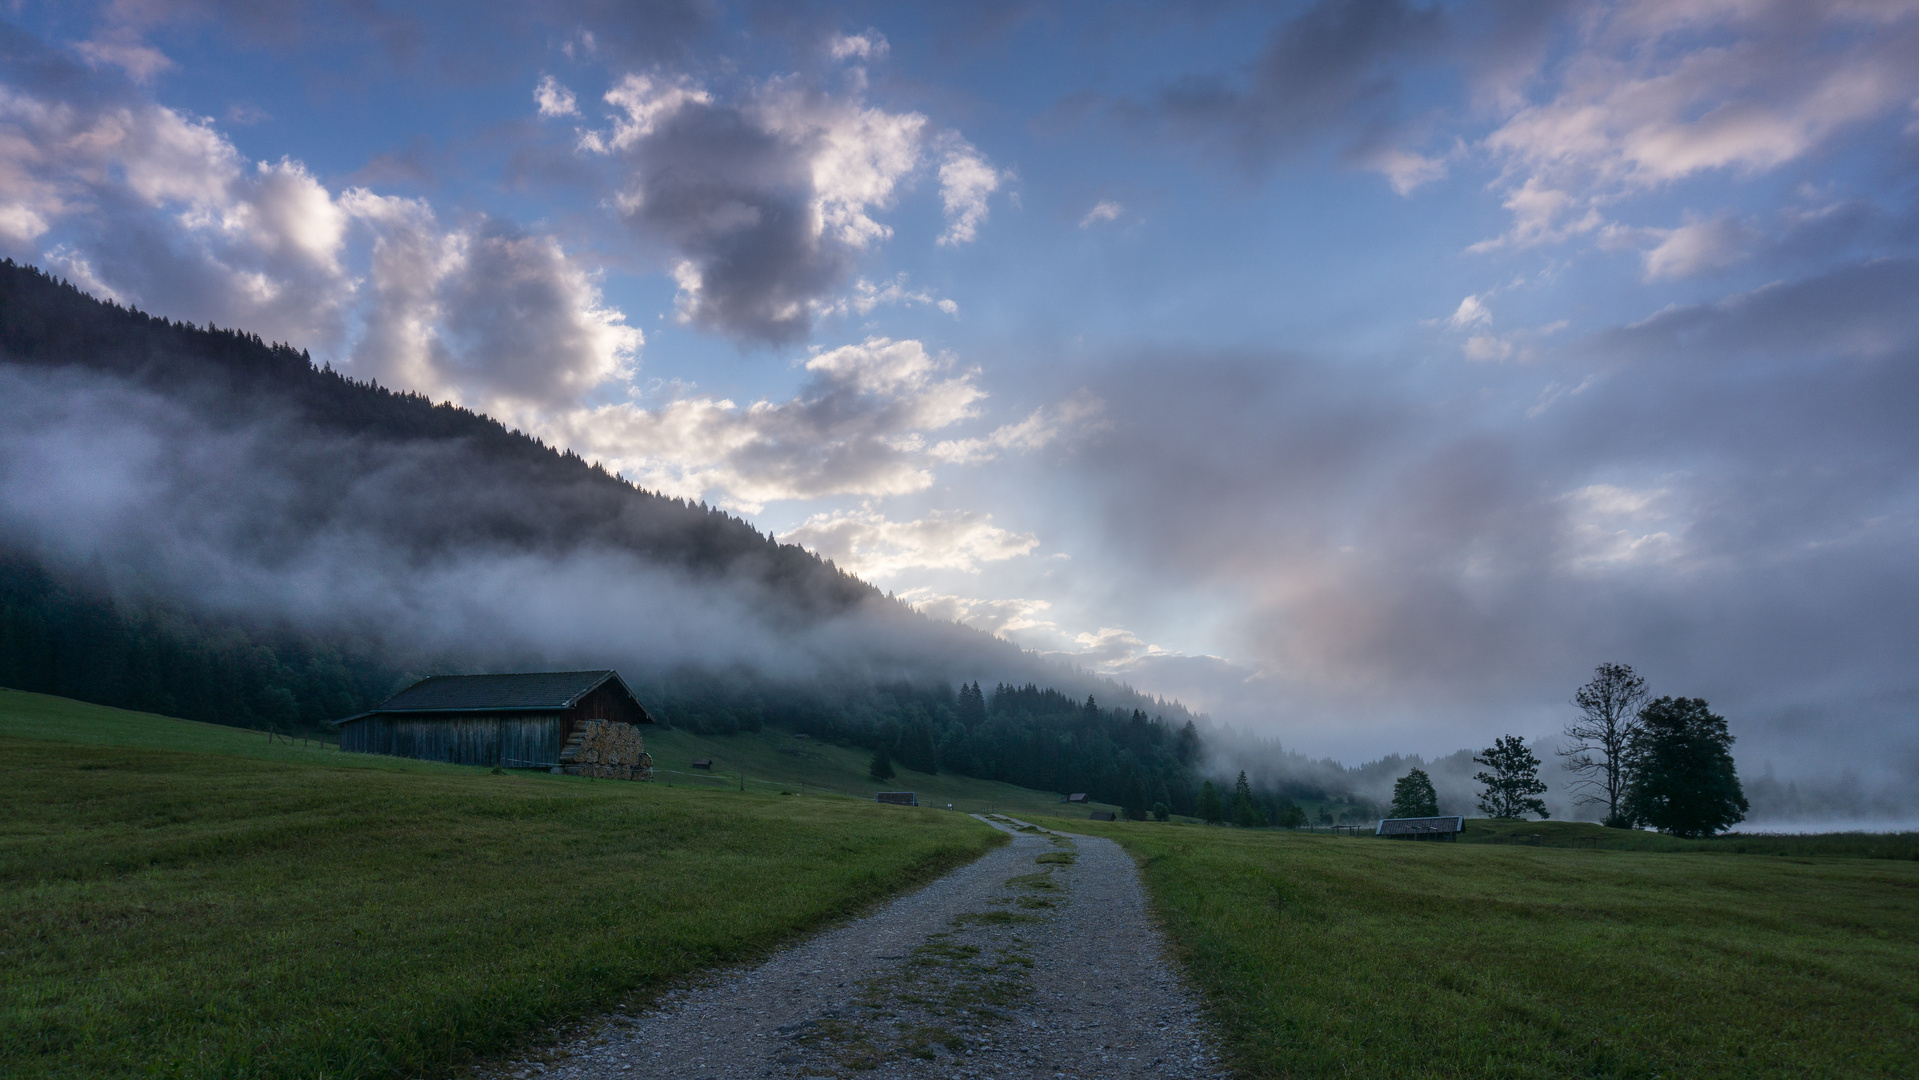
column 1470, row 313
column 966, row 180
column 554, row 99
column 857, row 428
column 769, row 199
column 1334, row 72
column 140, row 62
column 157, row 208
column 868, row 544
column 1078, row 413
column 163, row 210
column 1698, row 247
column 1656, row 93
column 1007, row 618
column 868, row 296
column 870, row 45
column 484, row 315
column 1104, row 210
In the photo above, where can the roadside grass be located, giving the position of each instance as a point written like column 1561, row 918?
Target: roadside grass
column 242, row 909
column 1334, row 956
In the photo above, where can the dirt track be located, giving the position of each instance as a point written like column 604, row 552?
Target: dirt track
column 1037, row 960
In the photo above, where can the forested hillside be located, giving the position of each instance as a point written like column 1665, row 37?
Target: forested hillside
column 197, row 522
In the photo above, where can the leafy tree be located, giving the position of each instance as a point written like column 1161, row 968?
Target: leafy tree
column 1162, row 812
column 1608, row 717
column 1246, row 813
column 1513, row 786
column 882, row 766
column 1325, row 815
column 1413, row 796
column 1289, row 815
column 1209, row 809
column 1680, row 769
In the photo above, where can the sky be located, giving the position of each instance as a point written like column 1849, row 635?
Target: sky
column 1360, row 373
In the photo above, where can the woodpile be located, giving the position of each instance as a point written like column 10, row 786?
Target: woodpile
column 608, row 749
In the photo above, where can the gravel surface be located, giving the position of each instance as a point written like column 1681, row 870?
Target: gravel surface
column 1038, row 960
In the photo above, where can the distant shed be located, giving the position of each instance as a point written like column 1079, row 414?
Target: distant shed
column 1101, row 815
column 1075, row 797
column 1421, row 828
column 898, row 798
column 519, row 721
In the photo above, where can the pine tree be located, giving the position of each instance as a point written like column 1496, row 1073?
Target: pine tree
column 1681, row 774
column 1413, row 796
column 1513, row 784
column 1246, row 813
column 882, row 765
column 1209, row 808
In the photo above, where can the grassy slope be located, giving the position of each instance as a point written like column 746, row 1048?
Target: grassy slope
column 776, row 761
column 1340, row 956
column 181, row 899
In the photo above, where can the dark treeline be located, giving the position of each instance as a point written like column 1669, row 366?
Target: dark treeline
column 59, row 638
column 1027, row 735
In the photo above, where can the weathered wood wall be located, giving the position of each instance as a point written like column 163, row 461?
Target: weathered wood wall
column 512, row 739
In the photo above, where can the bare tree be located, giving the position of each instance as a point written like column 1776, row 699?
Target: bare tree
column 1608, row 715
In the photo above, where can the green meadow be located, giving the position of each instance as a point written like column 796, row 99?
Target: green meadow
column 775, row 761
column 1337, row 956
column 186, row 900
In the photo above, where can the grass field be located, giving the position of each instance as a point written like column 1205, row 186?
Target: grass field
column 182, row 899
column 777, row 761
column 1333, row 956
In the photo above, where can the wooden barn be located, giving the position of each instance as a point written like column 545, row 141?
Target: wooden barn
column 529, row 721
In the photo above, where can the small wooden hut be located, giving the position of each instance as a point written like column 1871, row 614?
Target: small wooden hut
column 522, row 721
column 1421, row 828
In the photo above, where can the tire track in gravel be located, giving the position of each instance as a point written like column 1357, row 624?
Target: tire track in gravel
column 1037, row 960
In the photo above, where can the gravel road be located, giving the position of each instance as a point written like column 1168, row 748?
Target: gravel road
column 1037, row 960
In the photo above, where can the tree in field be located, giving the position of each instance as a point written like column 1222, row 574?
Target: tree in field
column 1134, row 802
column 1512, row 780
column 1413, row 796
column 882, row 765
column 1246, row 813
column 1290, row 816
column 1608, row 716
column 1681, row 775
column 1162, row 812
column 1209, row 808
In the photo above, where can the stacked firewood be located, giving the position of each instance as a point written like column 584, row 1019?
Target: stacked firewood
column 608, row 749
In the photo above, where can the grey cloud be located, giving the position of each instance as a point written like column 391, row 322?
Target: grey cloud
column 737, row 201
column 1335, row 70
column 1725, row 501
column 469, row 40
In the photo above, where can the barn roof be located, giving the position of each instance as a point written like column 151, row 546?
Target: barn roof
column 1420, row 826
column 531, row 691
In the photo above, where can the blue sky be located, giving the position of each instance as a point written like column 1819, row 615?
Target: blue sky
column 1360, row 373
